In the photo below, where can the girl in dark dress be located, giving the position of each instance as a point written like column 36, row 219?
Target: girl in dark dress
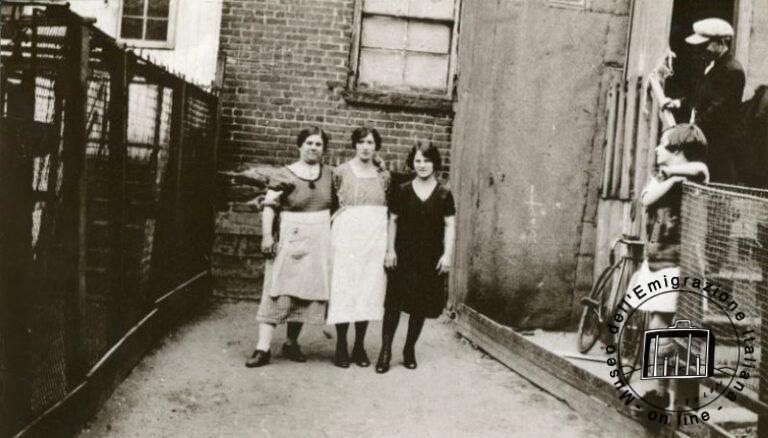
column 419, row 253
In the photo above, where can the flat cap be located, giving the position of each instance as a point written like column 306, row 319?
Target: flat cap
column 709, row 28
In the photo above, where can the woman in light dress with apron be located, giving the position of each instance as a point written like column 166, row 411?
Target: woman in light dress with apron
column 297, row 273
column 358, row 246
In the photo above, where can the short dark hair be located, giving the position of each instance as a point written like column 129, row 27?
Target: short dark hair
column 315, row 130
column 362, row 132
column 688, row 138
column 429, row 151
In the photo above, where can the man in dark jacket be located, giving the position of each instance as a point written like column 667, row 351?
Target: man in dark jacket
column 717, row 98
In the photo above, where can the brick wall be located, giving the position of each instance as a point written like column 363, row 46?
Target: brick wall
column 287, row 63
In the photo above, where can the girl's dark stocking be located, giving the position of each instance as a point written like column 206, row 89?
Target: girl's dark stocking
column 341, row 358
column 391, row 319
column 415, row 324
column 358, row 351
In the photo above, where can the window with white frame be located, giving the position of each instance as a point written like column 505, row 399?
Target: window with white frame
column 406, row 46
column 147, row 23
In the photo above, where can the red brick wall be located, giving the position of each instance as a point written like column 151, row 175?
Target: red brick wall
column 287, row 66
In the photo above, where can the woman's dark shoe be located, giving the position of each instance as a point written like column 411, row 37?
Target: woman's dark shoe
column 341, row 359
column 293, row 352
column 382, row 364
column 259, row 358
column 360, row 358
column 409, row 359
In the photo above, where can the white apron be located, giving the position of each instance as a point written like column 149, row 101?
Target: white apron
column 358, row 281
column 301, row 268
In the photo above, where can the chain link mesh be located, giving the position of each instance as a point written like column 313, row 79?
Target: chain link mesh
column 725, row 242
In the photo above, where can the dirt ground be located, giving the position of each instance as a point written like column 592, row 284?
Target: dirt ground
column 196, row 385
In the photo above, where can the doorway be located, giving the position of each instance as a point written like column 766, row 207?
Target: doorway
column 688, row 65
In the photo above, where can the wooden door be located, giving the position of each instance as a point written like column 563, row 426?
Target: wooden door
column 648, row 42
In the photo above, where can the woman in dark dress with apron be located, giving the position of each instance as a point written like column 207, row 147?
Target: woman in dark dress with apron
column 419, row 253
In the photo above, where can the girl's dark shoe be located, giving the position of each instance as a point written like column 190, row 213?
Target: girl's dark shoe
column 360, row 357
column 259, row 358
column 293, row 352
column 341, row 359
column 382, row 364
column 409, row 359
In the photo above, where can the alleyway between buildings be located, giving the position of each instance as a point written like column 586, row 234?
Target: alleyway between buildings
column 196, row 385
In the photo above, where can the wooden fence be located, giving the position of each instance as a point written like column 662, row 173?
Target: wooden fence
column 634, row 122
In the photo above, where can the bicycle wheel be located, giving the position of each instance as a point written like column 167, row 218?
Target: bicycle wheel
column 631, row 343
column 630, row 339
column 590, row 323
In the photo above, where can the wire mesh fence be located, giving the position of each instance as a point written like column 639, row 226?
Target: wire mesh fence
column 725, row 243
column 108, row 166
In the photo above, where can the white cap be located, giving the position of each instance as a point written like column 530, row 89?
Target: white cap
column 709, row 28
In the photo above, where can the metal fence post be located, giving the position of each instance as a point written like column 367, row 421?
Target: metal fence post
column 213, row 167
column 118, row 125
column 178, row 115
column 72, row 243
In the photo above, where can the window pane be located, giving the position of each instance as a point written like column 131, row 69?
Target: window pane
column 133, row 7
column 381, row 67
column 426, row 71
column 383, row 32
column 442, row 9
column 157, row 30
column 131, row 28
column 158, row 8
column 392, row 7
column 428, row 37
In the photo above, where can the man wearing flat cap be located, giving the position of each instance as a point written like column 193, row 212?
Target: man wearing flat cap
column 717, row 98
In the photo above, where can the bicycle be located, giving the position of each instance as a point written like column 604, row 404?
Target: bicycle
column 603, row 301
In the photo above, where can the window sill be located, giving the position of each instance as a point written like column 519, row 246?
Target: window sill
column 433, row 104
column 149, row 45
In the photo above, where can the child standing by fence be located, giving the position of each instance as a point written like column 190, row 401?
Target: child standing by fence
column 680, row 157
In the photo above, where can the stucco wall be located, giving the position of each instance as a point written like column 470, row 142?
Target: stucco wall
column 525, row 153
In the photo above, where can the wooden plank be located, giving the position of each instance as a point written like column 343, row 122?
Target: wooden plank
column 630, row 126
column 643, row 142
column 354, row 52
column 627, row 214
column 618, row 145
column 584, row 393
column 610, row 139
column 653, row 139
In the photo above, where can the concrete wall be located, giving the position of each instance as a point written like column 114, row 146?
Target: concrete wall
column 526, row 153
column 196, row 39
